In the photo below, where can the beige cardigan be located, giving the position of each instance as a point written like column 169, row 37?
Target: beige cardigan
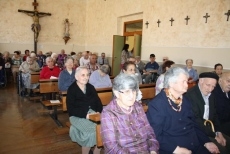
column 27, row 68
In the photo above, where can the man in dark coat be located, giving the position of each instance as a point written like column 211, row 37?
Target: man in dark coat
column 204, row 108
column 222, row 96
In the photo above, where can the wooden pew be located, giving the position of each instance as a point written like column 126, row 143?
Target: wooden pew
column 63, row 100
column 33, row 80
column 51, row 86
column 35, row 76
column 105, row 94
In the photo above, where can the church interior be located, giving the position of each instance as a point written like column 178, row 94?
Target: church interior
column 197, row 30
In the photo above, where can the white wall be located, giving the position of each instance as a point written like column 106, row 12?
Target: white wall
column 96, row 21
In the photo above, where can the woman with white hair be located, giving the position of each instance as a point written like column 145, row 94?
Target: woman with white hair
column 171, row 116
column 124, row 125
column 26, row 68
column 82, row 100
column 66, row 77
column 49, row 71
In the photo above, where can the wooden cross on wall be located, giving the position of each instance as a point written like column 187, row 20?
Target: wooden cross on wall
column 147, row 23
column 35, row 27
column 172, row 21
column 158, row 22
column 187, row 18
column 227, row 14
column 206, row 16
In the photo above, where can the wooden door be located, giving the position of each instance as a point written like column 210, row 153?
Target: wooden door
column 118, row 43
column 137, row 45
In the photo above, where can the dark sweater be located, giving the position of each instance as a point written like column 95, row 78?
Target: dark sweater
column 65, row 79
column 197, row 103
column 79, row 103
column 173, row 128
column 222, row 105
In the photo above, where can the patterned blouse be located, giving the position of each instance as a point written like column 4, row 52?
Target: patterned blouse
column 127, row 133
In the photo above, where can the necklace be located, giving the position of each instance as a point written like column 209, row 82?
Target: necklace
column 177, row 101
column 124, row 110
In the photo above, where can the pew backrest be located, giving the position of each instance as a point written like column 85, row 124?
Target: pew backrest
column 34, row 77
column 48, row 85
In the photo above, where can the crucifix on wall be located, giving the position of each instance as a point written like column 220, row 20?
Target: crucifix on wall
column 35, row 27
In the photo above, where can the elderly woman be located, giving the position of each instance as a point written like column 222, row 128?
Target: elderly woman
column 26, row 68
column 129, row 68
column 171, row 116
column 66, row 77
column 193, row 76
column 124, row 126
column 82, row 100
column 160, row 80
column 49, row 71
column 100, row 78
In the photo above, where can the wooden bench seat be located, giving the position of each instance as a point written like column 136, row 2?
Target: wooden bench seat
column 51, row 86
column 33, row 80
column 48, row 103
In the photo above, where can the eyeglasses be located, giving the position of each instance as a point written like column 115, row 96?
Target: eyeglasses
column 127, row 92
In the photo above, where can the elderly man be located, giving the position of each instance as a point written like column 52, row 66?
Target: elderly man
column 84, row 60
column 222, row 96
column 92, row 65
column 203, row 106
column 103, row 60
column 139, row 64
column 41, row 59
column 61, row 58
column 150, row 69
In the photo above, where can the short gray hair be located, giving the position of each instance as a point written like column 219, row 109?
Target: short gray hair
column 49, row 58
column 124, row 81
column 105, row 69
column 171, row 76
column 67, row 58
column 80, row 68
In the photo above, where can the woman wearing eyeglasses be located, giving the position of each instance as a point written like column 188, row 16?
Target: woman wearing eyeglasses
column 124, row 126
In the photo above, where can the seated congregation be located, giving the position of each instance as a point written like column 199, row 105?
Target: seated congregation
column 179, row 119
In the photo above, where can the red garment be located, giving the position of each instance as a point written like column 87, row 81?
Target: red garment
column 24, row 58
column 46, row 72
